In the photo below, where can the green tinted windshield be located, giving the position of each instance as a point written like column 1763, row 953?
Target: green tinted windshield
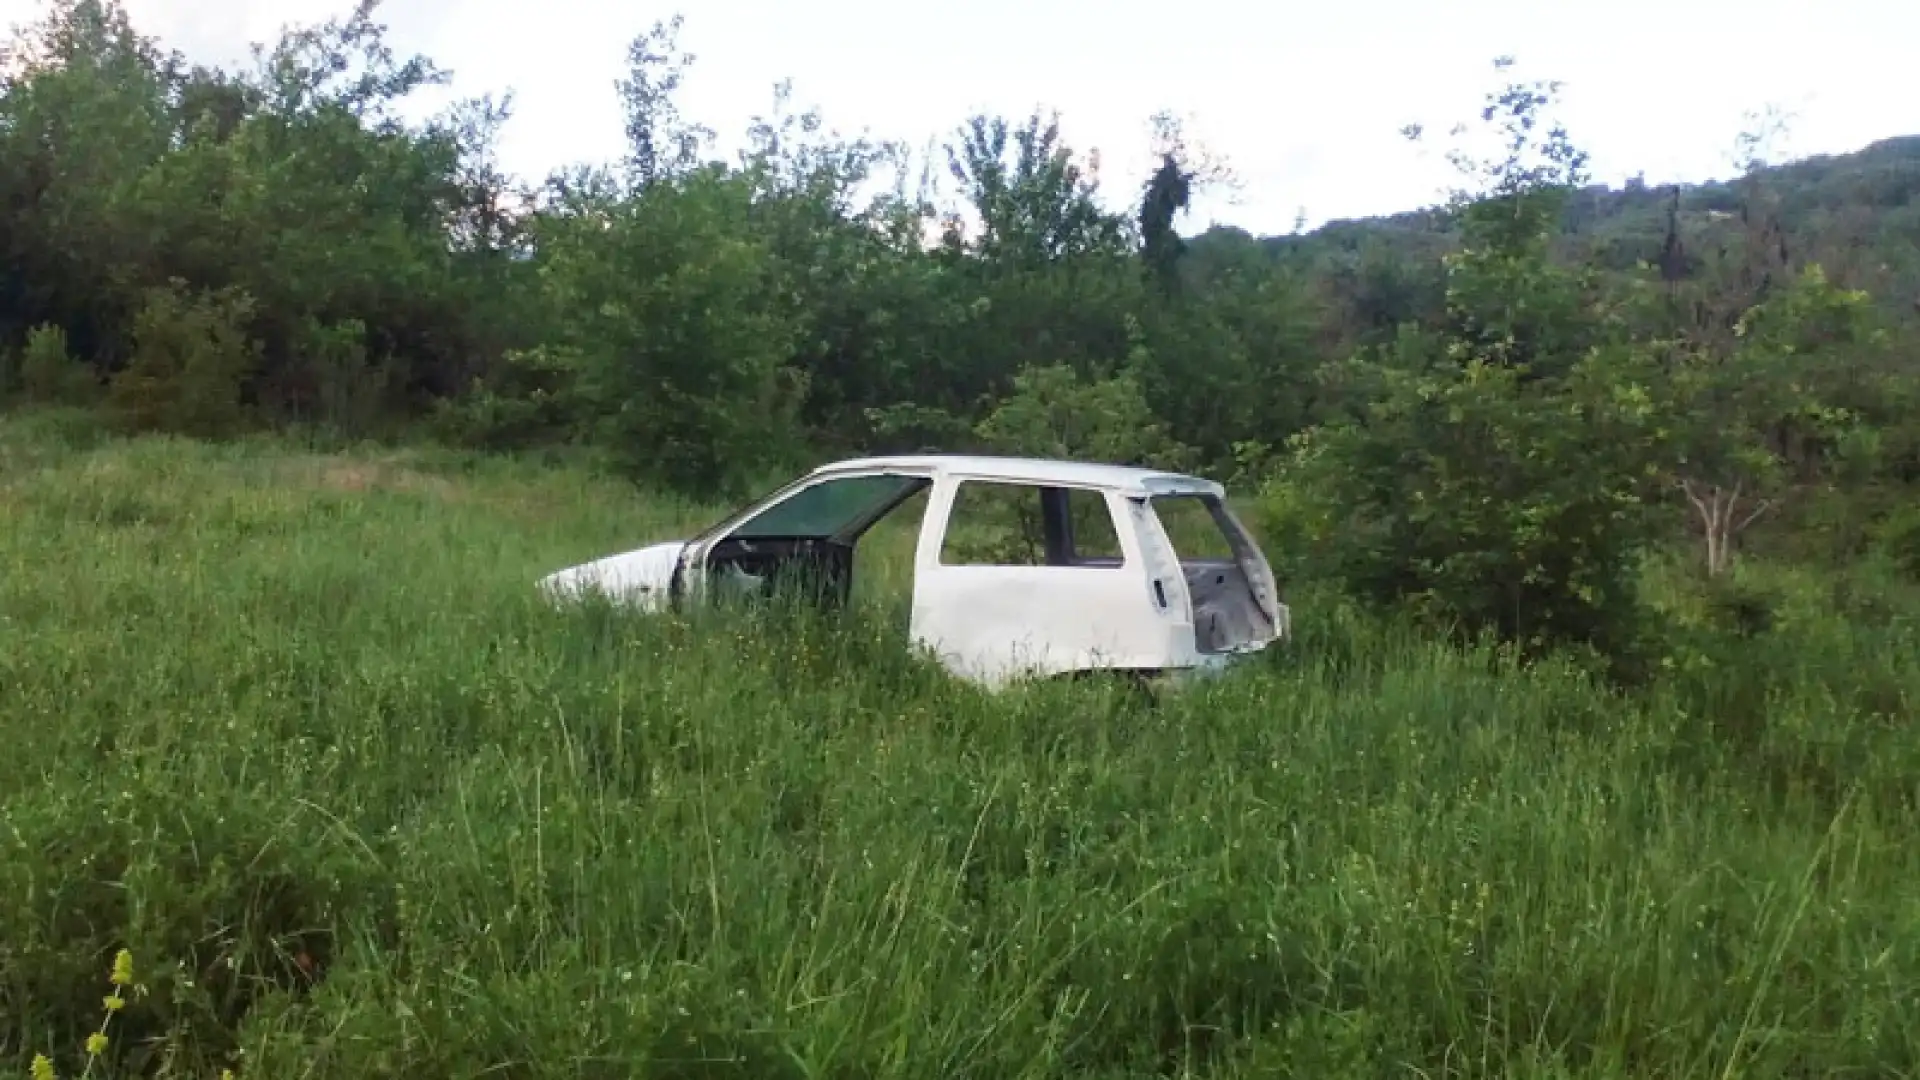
column 829, row 507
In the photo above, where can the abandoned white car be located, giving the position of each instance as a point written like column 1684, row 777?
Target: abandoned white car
column 1019, row 567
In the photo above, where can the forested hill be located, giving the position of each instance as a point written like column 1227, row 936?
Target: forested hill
column 1856, row 214
column 1488, row 412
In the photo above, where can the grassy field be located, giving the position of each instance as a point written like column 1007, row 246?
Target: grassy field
column 293, row 729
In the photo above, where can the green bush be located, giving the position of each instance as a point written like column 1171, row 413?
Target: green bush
column 192, row 355
column 50, row 374
column 1897, row 537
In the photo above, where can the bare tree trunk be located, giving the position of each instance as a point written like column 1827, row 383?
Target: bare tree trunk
column 1723, row 518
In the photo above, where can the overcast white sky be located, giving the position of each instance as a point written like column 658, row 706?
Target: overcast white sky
column 1305, row 100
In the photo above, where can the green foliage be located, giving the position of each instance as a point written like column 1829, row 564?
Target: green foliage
column 919, row 427
column 529, row 399
column 292, row 183
column 1455, row 496
column 1752, row 421
column 1054, row 412
column 348, row 391
column 681, row 341
column 1168, row 194
column 1494, row 478
column 1233, row 363
column 1035, row 203
column 191, row 358
column 48, row 373
column 1898, row 538
column 1184, row 171
column 661, row 144
column 1507, row 301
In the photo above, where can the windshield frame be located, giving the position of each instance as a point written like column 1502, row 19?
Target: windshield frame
column 790, row 521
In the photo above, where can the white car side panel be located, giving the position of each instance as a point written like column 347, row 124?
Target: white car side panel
column 640, row 577
column 994, row 624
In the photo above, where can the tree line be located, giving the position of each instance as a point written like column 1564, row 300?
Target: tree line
column 1486, row 413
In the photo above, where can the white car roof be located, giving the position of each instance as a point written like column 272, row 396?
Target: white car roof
column 1043, row 471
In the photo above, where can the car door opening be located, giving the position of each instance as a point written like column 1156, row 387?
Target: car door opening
column 804, row 545
column 1225, row 579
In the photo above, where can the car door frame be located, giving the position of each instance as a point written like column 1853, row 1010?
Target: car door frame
column 690, row 573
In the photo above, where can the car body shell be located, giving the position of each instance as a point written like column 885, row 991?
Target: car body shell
column 1142, row 609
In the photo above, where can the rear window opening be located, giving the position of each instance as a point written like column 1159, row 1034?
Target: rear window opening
column 1216, row 560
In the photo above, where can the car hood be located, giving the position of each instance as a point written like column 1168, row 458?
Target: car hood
column 642, row 576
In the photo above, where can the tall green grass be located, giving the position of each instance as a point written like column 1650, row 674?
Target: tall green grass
column 294, row 729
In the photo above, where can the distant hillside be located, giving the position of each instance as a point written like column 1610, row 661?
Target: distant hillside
column 1856, row 214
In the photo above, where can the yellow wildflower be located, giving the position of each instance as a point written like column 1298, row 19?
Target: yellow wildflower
column 42, row 1068
column 123, row 968
column 114, row 1002
column 96, row 1044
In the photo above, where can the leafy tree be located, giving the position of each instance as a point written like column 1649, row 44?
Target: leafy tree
column 191, row 357
column 864, row 296
column 1232, row 363
column 1167, row 196
column 1742, row 414
column 1036, row 204
column 1494, row 479
column 84, row 114
column 661, row 144
column 1184, row 171
column 1055, row 412
column 1760, row 349
column 50, row 374
column 295, row 182
column 1507, row 301
column 665, row 312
